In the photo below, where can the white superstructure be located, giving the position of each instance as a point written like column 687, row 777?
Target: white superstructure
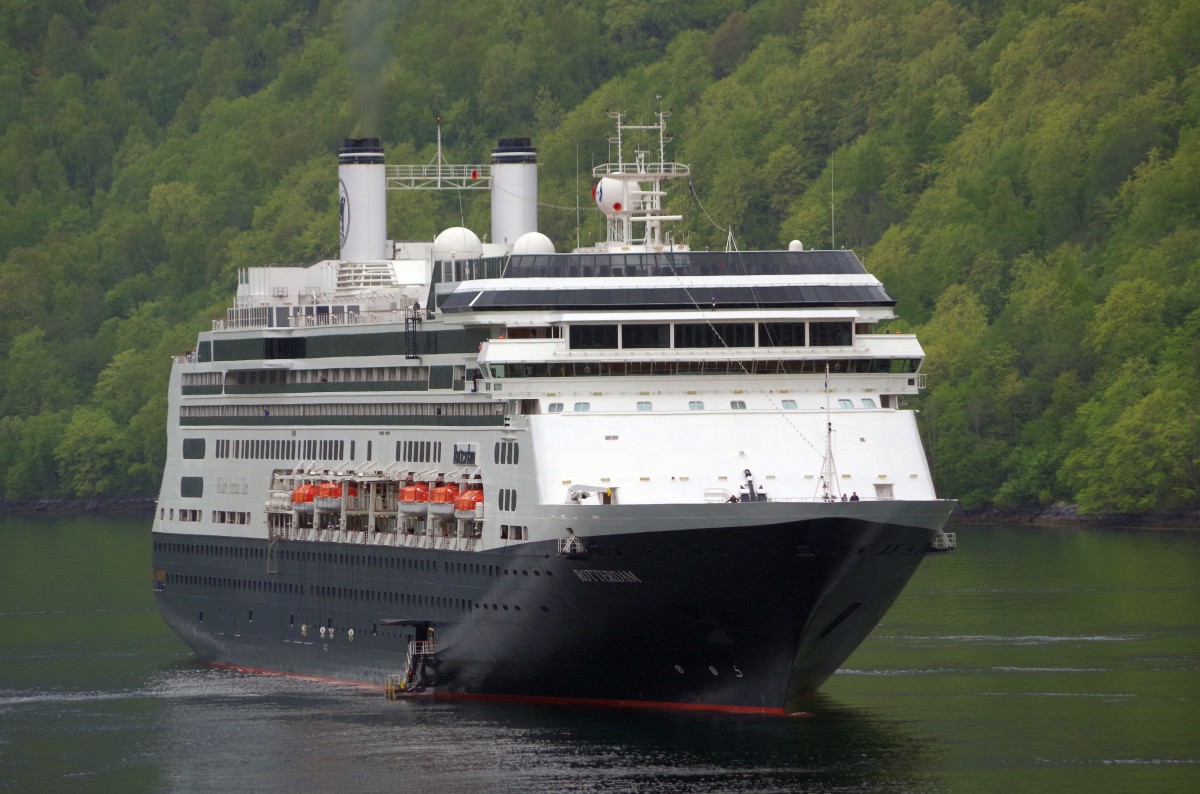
column 632, row 373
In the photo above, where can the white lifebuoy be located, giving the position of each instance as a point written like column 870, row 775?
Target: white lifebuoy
column 322, row 632
column 303, row 629
column 350, row 635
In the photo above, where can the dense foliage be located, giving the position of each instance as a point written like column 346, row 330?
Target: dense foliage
column 1024, row 176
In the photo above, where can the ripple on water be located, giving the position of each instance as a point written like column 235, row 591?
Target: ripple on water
column 1010, row 639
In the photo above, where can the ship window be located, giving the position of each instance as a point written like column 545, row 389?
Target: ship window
column 845, row 403
column 646, row 335
column 830, row 334
column 868, row 402
column 193, row 448
column 645, row 405
column 737, row 405
column 695, row 405
column 781, row 335
column 883, row 490
column 593, row 337
column 582, row 407
column 719, row 335
column 555, row 408
column 789, row 405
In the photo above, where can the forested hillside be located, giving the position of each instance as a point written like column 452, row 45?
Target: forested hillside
column 1024, row 176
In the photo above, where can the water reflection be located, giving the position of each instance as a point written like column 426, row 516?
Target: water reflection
column 307, row 736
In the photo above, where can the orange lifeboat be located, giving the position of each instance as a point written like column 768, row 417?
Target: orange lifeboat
column 329, row 495
column 444, row 493
column 302, row 497
column 333, row 490
column 468, row 503
column 441, row 499
column 414, row 498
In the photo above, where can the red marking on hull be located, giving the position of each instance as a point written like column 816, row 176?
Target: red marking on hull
column 539, row 699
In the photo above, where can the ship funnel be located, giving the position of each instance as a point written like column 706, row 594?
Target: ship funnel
column 362, row 206
column 514, row 190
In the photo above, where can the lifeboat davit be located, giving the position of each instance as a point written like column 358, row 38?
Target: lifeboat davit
column 302, row 497
column 469, row 504
column 414, row 499
column 442, row 498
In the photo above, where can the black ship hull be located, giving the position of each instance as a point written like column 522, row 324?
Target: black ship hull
column 735, row 618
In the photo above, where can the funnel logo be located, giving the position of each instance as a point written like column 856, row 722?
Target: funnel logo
column 344, row 211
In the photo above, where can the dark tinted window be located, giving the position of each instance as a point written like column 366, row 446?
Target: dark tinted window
column 781, row 335
column 593, row 337
column 642, row 336
column 827, row 334
column 714, row 335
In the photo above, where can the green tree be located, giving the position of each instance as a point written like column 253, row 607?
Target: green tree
column 1142, row 446
column 37, row 379
column 1129, row 323
column 91, row 458
column 30, row 443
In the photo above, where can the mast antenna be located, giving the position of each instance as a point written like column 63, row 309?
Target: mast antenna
column 577, row 207
column 828, row 483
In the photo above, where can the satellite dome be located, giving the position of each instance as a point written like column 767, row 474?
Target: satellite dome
column 533, row 243
column 795, row 245
column 616, row 196
column 457, row 243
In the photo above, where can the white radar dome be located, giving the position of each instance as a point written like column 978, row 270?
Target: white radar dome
column 795, row 245
column 533, row 243
column 616, row 196
column 457, row 243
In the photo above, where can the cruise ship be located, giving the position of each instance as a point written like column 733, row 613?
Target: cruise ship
column 632, row 474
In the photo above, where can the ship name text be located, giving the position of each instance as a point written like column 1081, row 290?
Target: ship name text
column 621, row 577
column 230, row 485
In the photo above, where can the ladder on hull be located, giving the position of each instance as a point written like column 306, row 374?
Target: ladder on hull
column 413, row 679
column 943, row 541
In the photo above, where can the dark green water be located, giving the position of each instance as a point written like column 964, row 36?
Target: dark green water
column 1029, row 660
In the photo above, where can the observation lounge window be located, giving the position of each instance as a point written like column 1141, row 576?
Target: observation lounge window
column 695, row 405
column 645, row 405
column 737, row 405
column 830, row 334
column 646, row 335
column 868, row 402
column 714, row 335
column 593, row 337
column 789, row 405
column 781, row 335
column 554, row 408
column 845, row 403
column 583, row 407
